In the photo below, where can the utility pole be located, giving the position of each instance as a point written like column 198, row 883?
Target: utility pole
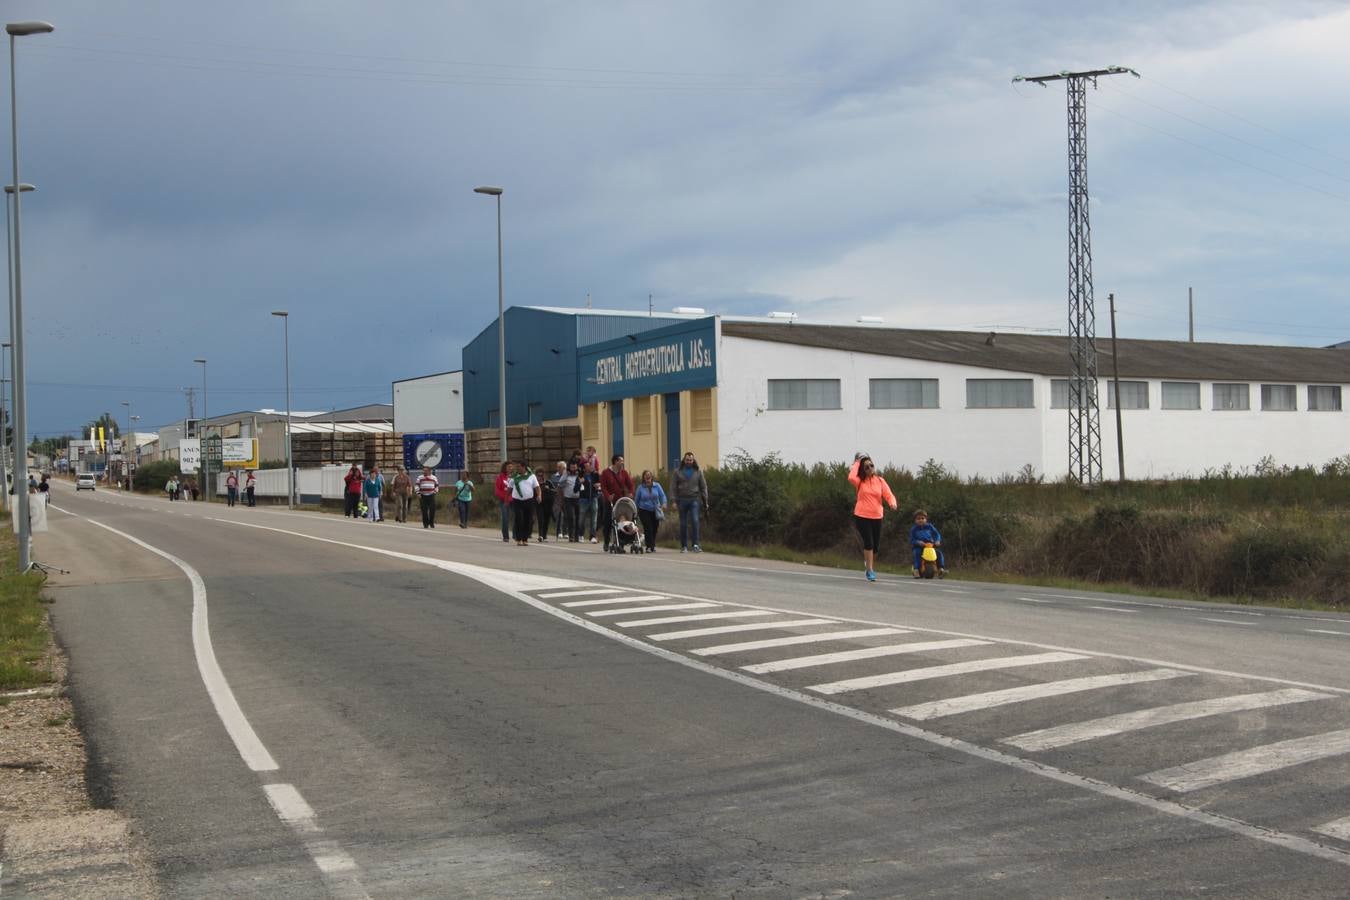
column 191, row 402
column 1190, row 312
column 1085, row 434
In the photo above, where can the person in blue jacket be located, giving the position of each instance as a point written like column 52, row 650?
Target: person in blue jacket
column 920, row 533
column 651, row 504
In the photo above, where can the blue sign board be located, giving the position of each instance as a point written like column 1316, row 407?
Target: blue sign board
column 679, row 357
column 439, row 451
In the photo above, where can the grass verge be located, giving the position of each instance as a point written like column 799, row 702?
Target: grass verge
column 23, row 620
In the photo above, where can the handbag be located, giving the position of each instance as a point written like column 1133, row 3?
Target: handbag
column 660, row 514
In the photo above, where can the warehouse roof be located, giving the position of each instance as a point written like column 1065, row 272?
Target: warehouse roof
column 1049, row 354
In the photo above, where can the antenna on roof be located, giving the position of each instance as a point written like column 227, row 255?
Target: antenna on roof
column 588, row 299
column 870, row 320
column 650, row 311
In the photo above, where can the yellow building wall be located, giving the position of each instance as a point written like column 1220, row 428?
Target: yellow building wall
column 648, row 450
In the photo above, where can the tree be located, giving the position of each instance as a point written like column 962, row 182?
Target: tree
column 110, row 429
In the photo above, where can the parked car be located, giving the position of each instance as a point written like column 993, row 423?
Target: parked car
column 85, row 481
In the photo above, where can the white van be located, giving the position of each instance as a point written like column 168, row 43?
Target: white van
column 84, row 481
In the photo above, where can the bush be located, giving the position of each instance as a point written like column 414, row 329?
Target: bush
column 822, row 517
column 1258, row 558
column 153, row 476
column 749, row 497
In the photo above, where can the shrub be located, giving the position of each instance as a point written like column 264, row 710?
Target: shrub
column 1258, row 558
column 822, row 517
column 153, row 476
column 749, row 497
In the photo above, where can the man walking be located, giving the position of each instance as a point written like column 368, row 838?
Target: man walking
column 615, row 482
column 427, row 487
column 250, row 486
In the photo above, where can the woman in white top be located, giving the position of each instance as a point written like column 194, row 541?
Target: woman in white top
column 524, row 489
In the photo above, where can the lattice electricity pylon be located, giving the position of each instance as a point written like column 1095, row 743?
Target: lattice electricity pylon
column 1085, row 432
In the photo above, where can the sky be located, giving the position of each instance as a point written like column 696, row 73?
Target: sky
column 199, row 165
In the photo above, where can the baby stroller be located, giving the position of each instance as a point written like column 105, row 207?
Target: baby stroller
column 625, row 533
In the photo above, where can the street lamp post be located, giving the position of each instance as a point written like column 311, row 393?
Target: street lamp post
column 501, row 322
column 286, row 345
column 4, row 425
column 20, row 29
column 201, row 429
column 126, row 454
column 6, row 454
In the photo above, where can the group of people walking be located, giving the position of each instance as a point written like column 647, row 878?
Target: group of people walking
column 577, row 500
column 365, row 493
column 180, row 489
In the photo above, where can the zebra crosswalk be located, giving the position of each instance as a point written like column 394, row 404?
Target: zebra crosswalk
column 978, row 689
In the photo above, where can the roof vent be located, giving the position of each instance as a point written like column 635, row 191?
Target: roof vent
column 789, row 316
column 870, row 320
column 690, row 310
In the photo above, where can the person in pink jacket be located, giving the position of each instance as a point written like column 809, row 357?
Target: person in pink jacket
column 873, row 492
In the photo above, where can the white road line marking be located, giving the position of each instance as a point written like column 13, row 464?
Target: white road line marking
column 825, row 659
column 953, row 591
column 1228, row 622
column 236, row 724
column 575, row 604
column 797, row 639
column 1241, row 764
column 1337, row 829
column 554, row 595
column 978, row 665
column 1113, row 609
column 1034, row 600
column 988, row 699
column 696, row 617
column 732, row 629
column 1063, row 735
column 1325, row 631
column 500, row 581
column 335, row 864
column 630, row 610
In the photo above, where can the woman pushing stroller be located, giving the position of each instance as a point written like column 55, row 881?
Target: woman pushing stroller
column 873, row 491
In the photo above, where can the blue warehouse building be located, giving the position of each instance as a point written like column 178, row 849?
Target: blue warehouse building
column 637, row 384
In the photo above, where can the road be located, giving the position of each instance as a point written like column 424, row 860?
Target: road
column 296, row 704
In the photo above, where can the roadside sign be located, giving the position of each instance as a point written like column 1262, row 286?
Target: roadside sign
column 239, row 452
column 438, row 451
column 189, row 455
column 211, row 452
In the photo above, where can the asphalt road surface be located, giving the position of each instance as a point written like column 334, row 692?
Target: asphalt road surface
column 295, row 705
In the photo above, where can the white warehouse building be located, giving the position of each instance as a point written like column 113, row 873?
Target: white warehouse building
column 990, row 404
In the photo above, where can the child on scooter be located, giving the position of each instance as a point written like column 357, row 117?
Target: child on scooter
column 920, row 533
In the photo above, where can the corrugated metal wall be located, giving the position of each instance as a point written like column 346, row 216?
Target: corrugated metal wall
column 541, row 357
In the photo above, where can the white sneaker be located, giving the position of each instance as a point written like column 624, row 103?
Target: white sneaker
column 684, row 549
column 698, row 549
column 592, row 540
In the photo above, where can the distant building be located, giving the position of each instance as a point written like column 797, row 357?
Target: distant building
column 985, row 404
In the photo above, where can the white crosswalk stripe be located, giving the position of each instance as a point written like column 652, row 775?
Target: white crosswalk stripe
column 732, row 629
column 554, row 595
column 970, row 702
column 630, row 610
column 797, row 639
column 696, row 617
column 1063, row 735
column 1337, row 829
column 577, row 604
column 1241, row 764
column 908, row 675
column 825, row 659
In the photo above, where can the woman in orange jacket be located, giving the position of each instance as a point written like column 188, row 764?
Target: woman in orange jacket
column 873, row 491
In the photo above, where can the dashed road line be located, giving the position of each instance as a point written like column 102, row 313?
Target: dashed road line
column 631, row 610
column 694, row 617
column 554, row 595
column 1113, row 609
column 578, row 604
column 946, row 671
column 988, row 699
column 1034, row 600
column 1229, row 622
column 1242, row 764
column 827, row 659
column 1326, row 631
column 1106, row 726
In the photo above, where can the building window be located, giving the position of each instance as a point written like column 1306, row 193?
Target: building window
column 590, row 423
column 642, row 415
column 804, row 393
column 998, row 393
column 1133, row 395
column 1231, row 396
column 903, row 393
column 1324, row 397
column 1181, row 395
column 701, row 410
column 1279, row 397
column 1059, row 392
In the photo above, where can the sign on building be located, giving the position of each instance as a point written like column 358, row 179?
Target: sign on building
column 680, row 357
column 438, row 451
column 239, row 452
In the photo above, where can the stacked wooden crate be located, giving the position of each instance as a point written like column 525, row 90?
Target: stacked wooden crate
column 539, row 445
column 384, row 450
column 312, row 450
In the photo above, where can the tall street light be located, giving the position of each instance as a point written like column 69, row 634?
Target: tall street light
column 286, row 343
column 9, row 268
column 201, row 429
column 4, row 423
column 20, row 29
column 501, row 322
